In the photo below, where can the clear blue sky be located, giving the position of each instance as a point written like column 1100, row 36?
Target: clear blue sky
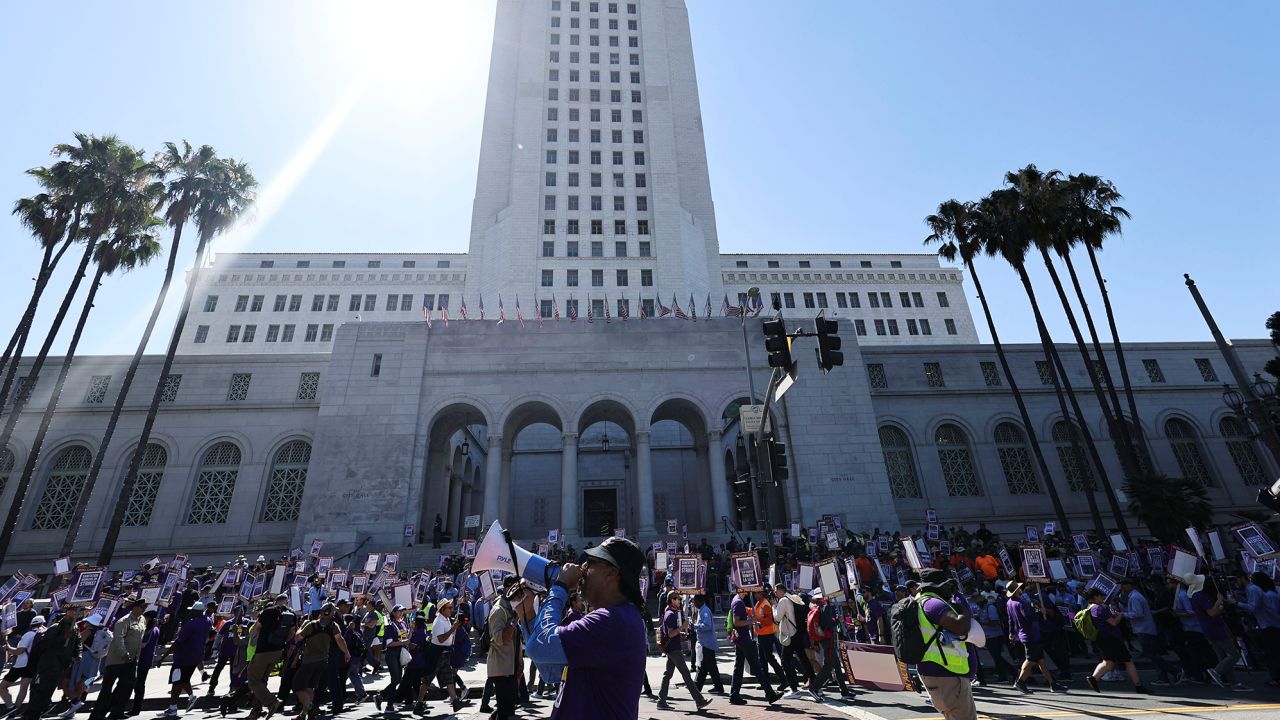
column 831, row 127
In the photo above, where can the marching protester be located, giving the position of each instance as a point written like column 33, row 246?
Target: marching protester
column 316, row 636
column 275, row 628
column 188, row 653
column 1024, row 628
column 704, row 625
column 1110, row 643
column 120, row 666
column 671, row 634
column 746, row 652
column 59, row 646
column 948, row 665
column 21, row 672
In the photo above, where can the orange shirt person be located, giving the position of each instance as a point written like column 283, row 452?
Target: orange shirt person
column 765, row 624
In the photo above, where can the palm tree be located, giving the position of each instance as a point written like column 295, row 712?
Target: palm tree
column 92, row 157
column 954, row 230
column 1000, row 227
column 53, row 217
column 1097, row 216
column 1168, row 506
column 1045, row 200
column 188, row 171
column 216, row 193
column 122, row 179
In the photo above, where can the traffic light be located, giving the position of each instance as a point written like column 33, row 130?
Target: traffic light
column 828, row 349
column 778, row 462
column 777, row 344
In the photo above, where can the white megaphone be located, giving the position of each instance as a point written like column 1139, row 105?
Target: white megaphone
column 498, row 552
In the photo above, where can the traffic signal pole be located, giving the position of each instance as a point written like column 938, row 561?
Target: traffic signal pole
column 753, row 459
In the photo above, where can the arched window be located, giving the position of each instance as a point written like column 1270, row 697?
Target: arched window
column 899, row 463
column 211, row 503
column 6, row 467
column 1140, row 443
column 288, row 478
column 957, row 461
column 1240, row 447
column 146, row 486
column 62, row 491
column 1015, row 460
column 1074, row 464
column 1186, row 449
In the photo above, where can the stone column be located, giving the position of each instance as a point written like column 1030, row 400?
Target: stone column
column 719, row 490
column 504, row 485
column 569, row 486
column 644, row 485
column 454, row 515
column 492, row 481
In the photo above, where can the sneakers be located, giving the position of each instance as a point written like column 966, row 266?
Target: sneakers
column 1160, row 683
column 1216, row 678
column 664, row 705
column 1021, row 686
column 736, row 700
column 1241, row 687
column 705, row 702
column 795, row 695
column 1093, row 683
column 192, row 701
column 419, row 708
column 1058, row 688
column 171, row 712
column 377, row 701
column 817, row 696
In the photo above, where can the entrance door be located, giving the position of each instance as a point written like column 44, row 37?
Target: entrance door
column 599, row 511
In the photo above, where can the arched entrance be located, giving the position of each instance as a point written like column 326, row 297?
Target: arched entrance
column 457, row 445
column 605, row 464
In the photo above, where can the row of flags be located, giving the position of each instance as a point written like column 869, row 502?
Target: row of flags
column 661, row 311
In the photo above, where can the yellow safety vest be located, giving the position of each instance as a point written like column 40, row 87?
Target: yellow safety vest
column 953, row 656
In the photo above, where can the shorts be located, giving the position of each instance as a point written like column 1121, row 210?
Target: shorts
column 16, row 674
column 183, row 674
column 307, row 677
column 1113, row 649
column 1034, row 650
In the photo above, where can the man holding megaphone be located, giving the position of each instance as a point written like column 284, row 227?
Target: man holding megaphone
column 604, row 652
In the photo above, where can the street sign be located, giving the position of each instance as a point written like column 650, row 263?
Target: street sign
column 784, row 385
column 752, row 416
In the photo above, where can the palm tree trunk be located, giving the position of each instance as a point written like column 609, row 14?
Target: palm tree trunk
column 1022, row 405
column 1108, row 381
column 68, row 544
column 20, row 332
column 135, row 462
column 1115, row 340
column 1119, row 431
column 1049, row 353
column 33, row 455
column 24, row 325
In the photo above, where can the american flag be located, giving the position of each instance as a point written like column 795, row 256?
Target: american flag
column 607, row 317
column 731, row 310
column 643, row 314
column 590, row 314
column 693, row 308
column 678, row 310
column 481, row 307
column 555, row 308
column 537, row 307
column 426, row 311
column 573, row 309
column 462, row 309
column 624, row 309
column 519, row 315
column 707, row 308
column 759, row 305
column 502, row 314
column 663, row 310
column 444, row 311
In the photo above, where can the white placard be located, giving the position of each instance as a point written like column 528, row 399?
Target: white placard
column 62, row 566
column 1182, row 564
column 807, row 579
column 1215, row 544
column 1194, row 536
column 829, row 579
column 913, row 554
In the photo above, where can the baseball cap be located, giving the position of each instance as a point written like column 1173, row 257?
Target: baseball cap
column 37, row 620
column 624, row 555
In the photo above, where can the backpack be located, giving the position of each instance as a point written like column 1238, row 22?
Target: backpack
column 904, row 625
column 281, row 631
column 355, row 643
column 1083, row 622
column 461, row 650
column 814, row 625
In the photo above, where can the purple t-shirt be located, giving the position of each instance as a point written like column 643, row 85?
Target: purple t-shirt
column 875, row 611
column 670, row 621
column 738, row 609
column 1101, row 614
column 1023, row 623
column 188, row 646
column 934, row 609
column 1213, row 626
column 606, row 651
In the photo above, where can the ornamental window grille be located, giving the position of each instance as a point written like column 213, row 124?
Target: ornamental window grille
column 1186, row 449
column 1140, row 445
column 876, row 376
column 899, row 463
column 539, row 512
column 146, row 487
column 957, row 461
column 1207, row 373
column 990, row 375
column 288, row 480
column 97, row 388
column 1015, row 460
column 933, row 374
column 170, row 391
column 1154, row 373
column 239, row 389
column 22, row 390
column 63, row 488
column 1074, row 465
column 1099, row 371
column 219, row 469
column 308, row 385
column 1238, row 444
column 1045, row 371
column 6, row 467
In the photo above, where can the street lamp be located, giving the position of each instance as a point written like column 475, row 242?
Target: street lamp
column 1263, row 388
column 466, row 448
column 1233, row 399
column 604, row 442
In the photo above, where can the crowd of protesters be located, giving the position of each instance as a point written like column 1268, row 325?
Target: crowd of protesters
column 317, row 646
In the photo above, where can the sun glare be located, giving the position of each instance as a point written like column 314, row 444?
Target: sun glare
column 401, row 40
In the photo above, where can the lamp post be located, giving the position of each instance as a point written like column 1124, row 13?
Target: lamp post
column 1255, row 400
